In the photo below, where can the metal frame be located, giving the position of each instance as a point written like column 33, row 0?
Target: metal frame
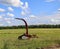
column 25, row 25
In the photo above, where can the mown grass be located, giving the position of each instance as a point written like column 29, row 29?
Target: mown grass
column 46, row 37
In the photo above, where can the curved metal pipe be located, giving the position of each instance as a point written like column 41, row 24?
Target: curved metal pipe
column 25, row 24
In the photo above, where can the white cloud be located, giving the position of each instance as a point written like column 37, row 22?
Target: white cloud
column 57, row 12
column 59, row 9
column 25, row 9
column 51, row 19
column 10, row 14
column 55, row 21
column 49, row 0
column 25, row 6
column 8, row 19
column 23, row 13
column 1, row 24
column 0, row 17
column 32, row 16
column 2, row 10
column 10, row 9
column 55, row 18
column 44, row 19
column 15, row 3
column 9, row 22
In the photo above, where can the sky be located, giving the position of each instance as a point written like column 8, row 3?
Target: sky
column 35, row 12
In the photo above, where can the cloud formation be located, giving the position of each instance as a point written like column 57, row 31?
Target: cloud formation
column 8, row 19
column 10, row 9
column 0, row 17
column 9, row 22
column 10, row 14
column 45, row 19
column 59, row 9
column 55, row 20
column 17, row 3
column 25, row 6
column 2, row 10
column 23, row 13
column 49, row 0
column 1, row 24
column 32, row 16
column 25, row 9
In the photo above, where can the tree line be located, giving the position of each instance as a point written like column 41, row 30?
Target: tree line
column 30, row 26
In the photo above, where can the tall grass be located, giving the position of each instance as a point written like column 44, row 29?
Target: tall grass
column 46, row 37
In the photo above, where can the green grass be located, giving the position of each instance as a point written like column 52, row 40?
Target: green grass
column 46, row 37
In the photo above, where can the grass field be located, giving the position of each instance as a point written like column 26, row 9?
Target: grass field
column 46, row 37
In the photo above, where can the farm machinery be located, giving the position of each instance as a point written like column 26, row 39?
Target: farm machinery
column 25, row 35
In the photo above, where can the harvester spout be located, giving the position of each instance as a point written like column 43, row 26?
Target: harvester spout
column 25, row 25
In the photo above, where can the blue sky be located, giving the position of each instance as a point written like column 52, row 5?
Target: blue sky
column 33, row 11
